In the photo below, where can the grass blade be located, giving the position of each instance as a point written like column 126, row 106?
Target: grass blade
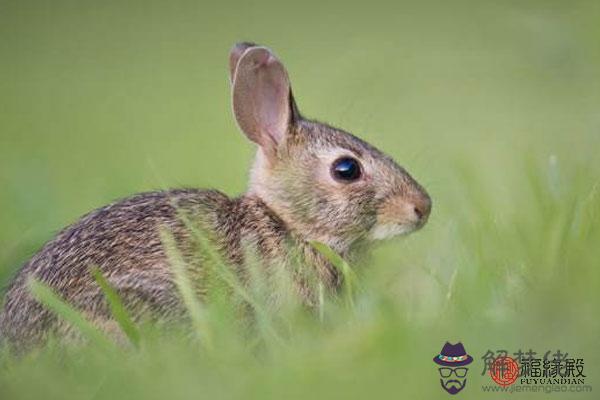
column 191, row 302
column 226, row 274
column 117, row 308
column 53, row 302
column 338, row 262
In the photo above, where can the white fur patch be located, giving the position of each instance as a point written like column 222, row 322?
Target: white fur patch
column 387, row 231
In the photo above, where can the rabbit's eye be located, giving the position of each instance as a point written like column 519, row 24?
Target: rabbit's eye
column 346, row 169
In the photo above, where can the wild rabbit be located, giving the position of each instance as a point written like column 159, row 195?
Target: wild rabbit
column 309, row 182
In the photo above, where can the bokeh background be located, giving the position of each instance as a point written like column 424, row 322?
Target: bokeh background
column 494, row 106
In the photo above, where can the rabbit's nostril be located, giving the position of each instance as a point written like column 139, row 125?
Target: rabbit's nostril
column 418, row 212
column 422, row 208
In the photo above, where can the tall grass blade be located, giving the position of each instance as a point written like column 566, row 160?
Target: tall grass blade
column 226, row 273
column 194, row 307
column 117, row 308
column 53, row 302
column 350, row 280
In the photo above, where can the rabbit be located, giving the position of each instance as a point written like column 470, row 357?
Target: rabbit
column 309, row 182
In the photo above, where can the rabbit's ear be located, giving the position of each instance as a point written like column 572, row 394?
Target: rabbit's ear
column 262, row 97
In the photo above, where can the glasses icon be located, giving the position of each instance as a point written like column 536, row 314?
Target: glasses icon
column 447, row 372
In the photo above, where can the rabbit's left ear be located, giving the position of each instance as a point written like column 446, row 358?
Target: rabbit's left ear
column 262, row 98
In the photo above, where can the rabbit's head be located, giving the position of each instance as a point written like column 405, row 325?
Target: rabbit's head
column 324, row 183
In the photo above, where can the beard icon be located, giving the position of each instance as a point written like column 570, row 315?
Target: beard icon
column 453, row 386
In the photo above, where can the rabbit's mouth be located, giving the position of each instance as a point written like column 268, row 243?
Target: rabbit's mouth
column 390, row 230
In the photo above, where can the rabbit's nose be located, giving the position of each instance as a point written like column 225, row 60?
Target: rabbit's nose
column 422, row 208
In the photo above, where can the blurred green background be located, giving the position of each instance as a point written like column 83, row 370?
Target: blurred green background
column 493, row 106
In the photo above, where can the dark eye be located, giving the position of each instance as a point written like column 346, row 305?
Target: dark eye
column 346, row 169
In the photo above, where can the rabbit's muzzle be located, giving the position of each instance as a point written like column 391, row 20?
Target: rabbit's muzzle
column 401, row 214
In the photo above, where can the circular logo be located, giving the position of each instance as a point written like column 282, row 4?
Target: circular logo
column 504, row 371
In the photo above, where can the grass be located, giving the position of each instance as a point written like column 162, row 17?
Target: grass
column 52, row 301
column 492, row 106
column 117, row 308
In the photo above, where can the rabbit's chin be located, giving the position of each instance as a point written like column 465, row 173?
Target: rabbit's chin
column 388, row 231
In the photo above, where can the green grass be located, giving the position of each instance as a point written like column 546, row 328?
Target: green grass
column 492, row 106
column 52, row 301
column 117, row 308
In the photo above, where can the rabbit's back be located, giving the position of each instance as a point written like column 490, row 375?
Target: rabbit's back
column 123, row 240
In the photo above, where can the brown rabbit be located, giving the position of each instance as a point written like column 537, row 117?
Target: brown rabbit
column 309, row 182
